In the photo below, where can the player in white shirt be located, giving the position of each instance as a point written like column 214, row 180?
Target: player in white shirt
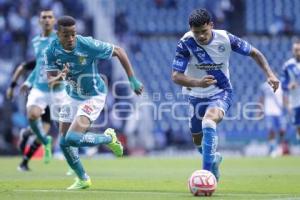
column 201, row 67
column 274, row 116
column 291, row 84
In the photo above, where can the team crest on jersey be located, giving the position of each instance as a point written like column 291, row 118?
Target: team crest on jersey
column 82, row 60
column 221, row 48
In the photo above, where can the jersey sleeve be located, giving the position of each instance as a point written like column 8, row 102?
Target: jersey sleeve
column 101, row 50
column 49, row 60
column 182, row 57
column 239, row 45
column 30, row 79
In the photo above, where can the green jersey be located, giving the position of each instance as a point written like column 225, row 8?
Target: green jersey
column 83, row 79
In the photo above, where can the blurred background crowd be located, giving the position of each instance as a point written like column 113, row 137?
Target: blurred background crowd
column 149, row 31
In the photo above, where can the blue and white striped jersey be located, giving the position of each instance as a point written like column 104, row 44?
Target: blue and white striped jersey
column 196, row 60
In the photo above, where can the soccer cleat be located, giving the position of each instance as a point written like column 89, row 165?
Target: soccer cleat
column 115, row 145
column 48, row 150
column 80, row 184
column 25, row 133
column 23, row 168
column 216, row 164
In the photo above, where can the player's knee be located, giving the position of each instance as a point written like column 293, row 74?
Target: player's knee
column 215, row 115
column 209, row 123
column 33, row 114
column 197, row 139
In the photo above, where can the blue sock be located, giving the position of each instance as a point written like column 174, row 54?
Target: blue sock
column 209, row 143
column 86, row 139
column 37, row 128
column 72, row 157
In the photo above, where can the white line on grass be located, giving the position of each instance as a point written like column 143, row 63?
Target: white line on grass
column 285, row 196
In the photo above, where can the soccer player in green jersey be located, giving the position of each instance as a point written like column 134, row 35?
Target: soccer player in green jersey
column 73, row 58
column 41, row 95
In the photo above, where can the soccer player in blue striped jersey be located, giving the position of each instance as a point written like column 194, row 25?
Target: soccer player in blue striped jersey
column 73, row 58
column 291, row 84
column 201, row 67
column 41, row 95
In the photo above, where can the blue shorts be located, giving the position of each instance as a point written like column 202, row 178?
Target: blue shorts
column 198, row 107
column 275, row 123
column 296, row 116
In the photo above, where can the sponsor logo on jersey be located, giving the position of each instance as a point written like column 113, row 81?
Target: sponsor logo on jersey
column 87, row 109
column 209, row 66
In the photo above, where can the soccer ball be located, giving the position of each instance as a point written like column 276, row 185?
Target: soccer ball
column 202, row 183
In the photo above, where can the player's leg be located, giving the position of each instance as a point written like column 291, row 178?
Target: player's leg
column 36, row 103
column 197, row 111
column 34, row 113
column 214, row 114
column 88, row 112
column 296, row 122
column 25, row 133
column 72, row 157
column 270, row 122
column 77, row 135
column 36, row 143
column 34, row 146
column 197, row 140
column 210, row 139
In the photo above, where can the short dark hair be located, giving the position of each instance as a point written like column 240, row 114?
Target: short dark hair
column 199, row 17
column 46, row 9
column 66, row 21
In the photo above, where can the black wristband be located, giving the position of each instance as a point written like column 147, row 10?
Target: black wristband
column 13, row 84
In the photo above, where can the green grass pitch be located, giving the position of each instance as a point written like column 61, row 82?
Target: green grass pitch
column 152, row 178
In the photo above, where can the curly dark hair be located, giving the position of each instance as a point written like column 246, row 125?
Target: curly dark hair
column 199, row 17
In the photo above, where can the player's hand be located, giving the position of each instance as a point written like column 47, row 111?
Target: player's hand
column 136, row 85
column 24, row 88
column 273, row 82
column 207, row 81
column 9, row 93
column 65, row 71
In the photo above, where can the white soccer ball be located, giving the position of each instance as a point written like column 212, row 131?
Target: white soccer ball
column 202, row 183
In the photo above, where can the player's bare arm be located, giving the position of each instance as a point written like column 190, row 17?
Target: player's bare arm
column 55, row 76
column 264, row 65
column 21, row 69
column 186, row 81
column 123, row 58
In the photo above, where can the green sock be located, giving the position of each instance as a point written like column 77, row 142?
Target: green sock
column 86, row 139
column 37, row 128
column 72, row 157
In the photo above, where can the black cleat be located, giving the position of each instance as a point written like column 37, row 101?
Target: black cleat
column 23, row 168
